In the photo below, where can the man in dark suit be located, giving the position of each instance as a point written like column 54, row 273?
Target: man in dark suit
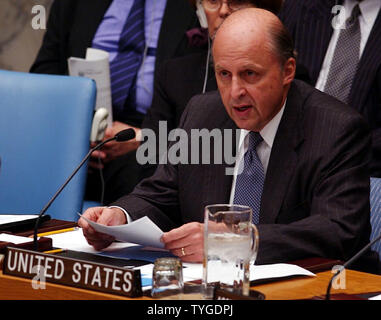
column 311, row 24
column 310, row 173
column 179, row 79
column 74, row 26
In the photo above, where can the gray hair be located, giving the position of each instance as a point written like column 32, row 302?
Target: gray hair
column 281, row 42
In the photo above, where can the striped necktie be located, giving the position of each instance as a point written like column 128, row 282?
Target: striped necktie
column 125, row 66
column 249, row 183
column 345, row 59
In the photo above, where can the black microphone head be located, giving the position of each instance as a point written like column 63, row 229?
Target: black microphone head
column 125, row 135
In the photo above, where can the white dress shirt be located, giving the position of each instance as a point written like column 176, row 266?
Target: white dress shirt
column 263, row 150
column 369, row 12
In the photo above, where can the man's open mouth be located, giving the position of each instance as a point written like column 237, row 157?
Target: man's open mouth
column 242, row 108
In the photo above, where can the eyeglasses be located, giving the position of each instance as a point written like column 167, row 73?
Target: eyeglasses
column 233, row 5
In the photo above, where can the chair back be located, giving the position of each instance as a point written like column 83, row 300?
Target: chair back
column 45, row 123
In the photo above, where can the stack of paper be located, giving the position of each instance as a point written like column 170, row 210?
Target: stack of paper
column 142, row 231
column 95, row 66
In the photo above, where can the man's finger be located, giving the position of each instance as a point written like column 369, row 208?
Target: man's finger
column 98, row 154
column 112, row 217
column 182, row 232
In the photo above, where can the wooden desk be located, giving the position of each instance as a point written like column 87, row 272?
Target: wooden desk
column 14, row 288
column 308, row 287
column 298, row 288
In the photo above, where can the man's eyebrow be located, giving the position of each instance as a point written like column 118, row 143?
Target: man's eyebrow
column 250, row 66
column 243, row 67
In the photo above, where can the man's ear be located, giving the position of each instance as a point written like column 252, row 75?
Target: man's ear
column 289, row 68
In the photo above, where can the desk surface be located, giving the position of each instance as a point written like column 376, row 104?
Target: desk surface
column 297, row 288
column 309, row 287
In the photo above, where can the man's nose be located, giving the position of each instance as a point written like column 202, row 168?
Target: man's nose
column 238, row 90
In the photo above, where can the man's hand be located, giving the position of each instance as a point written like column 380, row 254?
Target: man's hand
column 113, row 149
column 105, row 216
column 186, row 242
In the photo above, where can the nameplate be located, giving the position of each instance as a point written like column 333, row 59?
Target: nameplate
column 41, row 267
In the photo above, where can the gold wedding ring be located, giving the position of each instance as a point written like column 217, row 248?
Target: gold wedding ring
column 183, row 251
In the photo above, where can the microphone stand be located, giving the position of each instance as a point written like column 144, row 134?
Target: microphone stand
column 117, row 137
column 346, row 264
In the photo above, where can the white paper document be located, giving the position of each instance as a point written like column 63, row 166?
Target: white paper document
column 146, row 275
column 95, row 66
column 4, row 237
column 277, row 270
column 378, row 297
column 142, row 231
column 193, row 271
column 76, row 241
column 9, row 218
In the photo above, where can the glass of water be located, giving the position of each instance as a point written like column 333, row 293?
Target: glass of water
column 230, row 247
column 167, row 279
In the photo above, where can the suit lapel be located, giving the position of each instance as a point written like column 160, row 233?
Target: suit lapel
column 216, row 180
column 283, row 158
column 178, row 17
column 86, row 28
column 368, row 67
column 315, row 25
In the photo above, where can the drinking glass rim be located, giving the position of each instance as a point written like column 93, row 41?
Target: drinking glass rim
column 241, row 206
column 167, row 260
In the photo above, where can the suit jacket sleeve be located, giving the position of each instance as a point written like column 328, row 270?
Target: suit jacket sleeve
column 337, row 224
column 157, row 196
column 162, row 109
column 51, row 58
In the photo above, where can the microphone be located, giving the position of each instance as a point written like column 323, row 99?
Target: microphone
column 348, row 263
column 121, row 136
column 124, row 135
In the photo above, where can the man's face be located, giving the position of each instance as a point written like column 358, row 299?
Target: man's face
column 252, row 83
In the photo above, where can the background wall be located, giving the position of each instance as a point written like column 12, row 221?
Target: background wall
column 19, row 41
